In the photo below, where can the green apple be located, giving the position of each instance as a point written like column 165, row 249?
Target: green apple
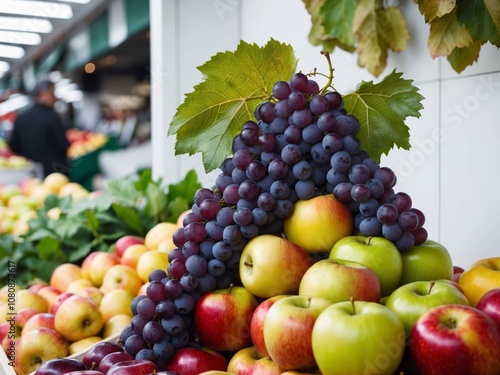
column 317, row 223
column 426, row 262
column 287, row 330
column 409, row 302
column 378, row 253
column 271, row 265
column 358, row 337
column 339, row 280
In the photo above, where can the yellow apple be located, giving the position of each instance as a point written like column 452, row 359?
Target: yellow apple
column 83, row 344
column 150, row 261
column 78, row 317
column 55, row 181
column 86, row 264
column 77, row 285
column 64, row 274
column 115, row 325
column 132, row 254
column 39, row 194
column 54, row 213
column 482, row 276
column 180, row 219
column 92, row 292
column 158, row 233
column 116, row 301
column 121, row 276
column 50, row 294
column 100, row 264
column 38, row 346
column 26, row 298
column 318, row 223
column 38, row 320
column 166, row 246
column 70, row 188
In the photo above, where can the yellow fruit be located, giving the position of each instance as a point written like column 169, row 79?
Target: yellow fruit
column 166, row 246
column 116, row 324
column 150, row 261
column 480, row 278
column 55, row 181
column 83, row 344
column 114, row 302
column 158, row 233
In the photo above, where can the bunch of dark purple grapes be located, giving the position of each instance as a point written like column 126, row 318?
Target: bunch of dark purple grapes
column 301, row 144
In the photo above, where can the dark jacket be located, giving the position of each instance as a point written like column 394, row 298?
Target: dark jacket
column 39, row 135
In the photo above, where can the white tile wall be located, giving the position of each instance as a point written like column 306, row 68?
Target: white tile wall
column 450, row 172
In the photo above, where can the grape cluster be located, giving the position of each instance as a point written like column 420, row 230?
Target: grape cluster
column 302, row 144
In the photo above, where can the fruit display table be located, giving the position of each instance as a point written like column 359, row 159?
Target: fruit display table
column 84, row 168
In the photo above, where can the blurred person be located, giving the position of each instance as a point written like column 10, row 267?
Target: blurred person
column 39, row 134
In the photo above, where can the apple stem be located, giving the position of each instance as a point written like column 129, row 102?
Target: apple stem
column 308, row 302
column 369, row 240
column 247, row 264
column 231, row 288
column 353, row 307
column 431, row 286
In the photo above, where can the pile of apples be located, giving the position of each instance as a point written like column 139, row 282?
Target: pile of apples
column 9, row 160
column 80, row 305
column 18, row 203
column 82, row 142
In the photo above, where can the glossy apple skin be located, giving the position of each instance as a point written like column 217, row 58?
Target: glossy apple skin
column 365, row 339
column 123, row 242
column 96, row 353
column 135, row 367
column 318, row 223
column 378, row 253
column 222, row 318
column 490, row 304
column 456, row 339
column 58, row 366
column 58, row 300
column 288, row 330
column 112, row 358
column 39, row 320
column 271, row 265
column 426, row 262
column 257, row 324
column 480, row 278
column 78, row 317
column 193, row 361
column 248, row 362
column 410, row 301
column 339, row 279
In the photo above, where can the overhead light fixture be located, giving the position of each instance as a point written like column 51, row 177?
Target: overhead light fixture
column 11, row 52
column 4, row 66
column 20, row 37
column 44, row 9
column 36, row 25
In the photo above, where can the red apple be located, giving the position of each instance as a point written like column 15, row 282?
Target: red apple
column 37, row 321
column 222, row 318
column 50, row 294
column 94, row 355
column 247, row 361
column 457, row 272
column 37, row 285
column 257, row 324
column 58, row 366
column 134, row 367
column 123, row 242
column 113, row 358
column 60, row 299
column 456, row 339
column 490, row 304
column 193, row 361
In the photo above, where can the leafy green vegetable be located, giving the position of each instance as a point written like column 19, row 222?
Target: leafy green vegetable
column 234, row 84
column 381, row 110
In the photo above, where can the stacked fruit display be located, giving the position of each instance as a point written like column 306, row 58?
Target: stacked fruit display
column 303, row 259
column 81, row 142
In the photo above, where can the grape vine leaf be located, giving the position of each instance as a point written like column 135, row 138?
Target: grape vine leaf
column 460, row 58
column 482, row 19
column 371, row 46
column 234, row 84
column 381, row 110
column 446, row 34
column 392, row 26
column 431, row 9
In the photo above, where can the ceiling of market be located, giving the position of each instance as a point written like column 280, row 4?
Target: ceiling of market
column 29, row 15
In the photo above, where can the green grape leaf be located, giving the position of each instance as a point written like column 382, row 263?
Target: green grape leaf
column 338, row 19
column 431, row 9
column 446, row 34
column 234, row 84
column 371, row 47
column 460, row 58
column 381, row 110
column 481, row 18
column 392, row 26
column 317, row 33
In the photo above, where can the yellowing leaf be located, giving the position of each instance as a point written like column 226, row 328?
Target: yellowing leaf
column 371, row 46
column 431, row 9
column 235, row 82
column 446, row 34
column 460, row 58
column 392, row 26
column 381, row 110
column 317, row 32
column 482, row 19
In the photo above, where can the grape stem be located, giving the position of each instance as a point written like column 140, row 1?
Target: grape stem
column 330, row 72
